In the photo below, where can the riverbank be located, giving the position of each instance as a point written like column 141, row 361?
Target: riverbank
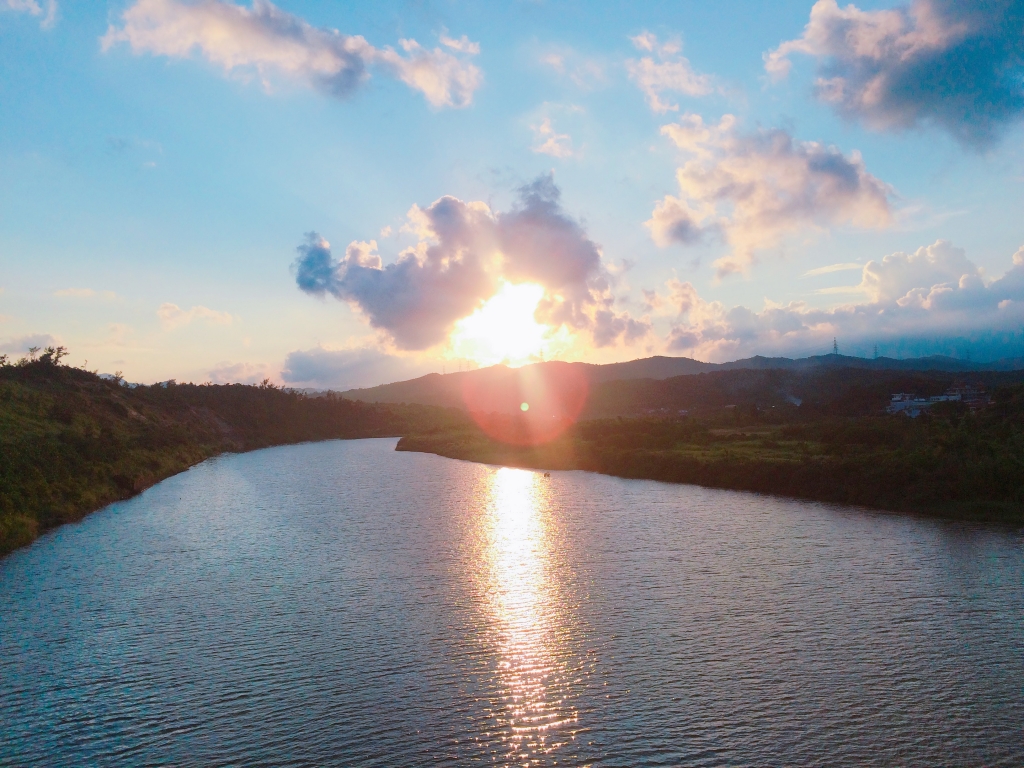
column 952, row 464
column 72, row 442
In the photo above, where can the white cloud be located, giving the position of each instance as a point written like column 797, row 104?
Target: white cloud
column 549, row 142
column 919, row 301
column 755, row 189
column 671, row 73
column 828, row 270
column 48, row 11
column 172, row 316
column 241, row 373
column 462, row 45
column 958, row 65
column 269, row 40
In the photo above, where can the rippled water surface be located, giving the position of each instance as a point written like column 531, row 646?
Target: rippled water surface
column 343, row 604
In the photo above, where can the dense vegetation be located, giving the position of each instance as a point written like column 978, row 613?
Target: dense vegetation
column 821, row 391
column 72, row 442
column 949, row 462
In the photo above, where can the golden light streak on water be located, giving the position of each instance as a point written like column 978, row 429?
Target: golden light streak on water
column 526, row 612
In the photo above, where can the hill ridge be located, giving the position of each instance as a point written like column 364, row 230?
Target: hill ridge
column 445, row 389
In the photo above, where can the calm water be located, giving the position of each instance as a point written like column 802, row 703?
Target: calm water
column 342, row 604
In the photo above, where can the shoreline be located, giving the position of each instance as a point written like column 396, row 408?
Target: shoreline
column 30, row 529
column 25, row 530
column 767, row 478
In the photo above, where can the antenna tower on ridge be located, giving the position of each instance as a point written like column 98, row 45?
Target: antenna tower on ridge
column 835, row 346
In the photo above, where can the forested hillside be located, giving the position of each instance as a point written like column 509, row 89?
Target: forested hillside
column 72, row 442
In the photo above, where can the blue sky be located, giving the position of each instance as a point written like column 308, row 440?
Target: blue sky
column 666, row 180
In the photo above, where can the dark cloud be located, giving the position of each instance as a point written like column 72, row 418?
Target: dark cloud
column 609, row 327
column 956, row 65
column 465, row 251
column 418, row 298
column 542, row 244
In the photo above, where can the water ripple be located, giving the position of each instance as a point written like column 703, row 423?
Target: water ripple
column 342, row 604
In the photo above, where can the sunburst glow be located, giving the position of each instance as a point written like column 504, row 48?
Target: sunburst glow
column 504, row 329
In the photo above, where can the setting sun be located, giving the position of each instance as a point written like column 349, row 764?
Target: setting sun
column 504, row 329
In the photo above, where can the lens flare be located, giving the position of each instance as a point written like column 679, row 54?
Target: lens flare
column 527, row 406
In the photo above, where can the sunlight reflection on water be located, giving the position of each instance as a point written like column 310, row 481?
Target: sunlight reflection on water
column 524, row 605
column 343, row 604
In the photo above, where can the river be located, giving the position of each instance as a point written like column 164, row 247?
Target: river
column 341, row 603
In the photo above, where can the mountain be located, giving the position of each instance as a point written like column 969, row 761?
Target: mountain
column 931, row 363
column 511, row 387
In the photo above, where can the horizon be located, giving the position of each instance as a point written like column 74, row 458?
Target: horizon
column 332, row 196
column 968, row 361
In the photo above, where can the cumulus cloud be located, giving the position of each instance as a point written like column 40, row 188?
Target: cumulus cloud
column 268, row 40
column 956, row 65
column 465, row 251
column 172, row 316
column 348, row 368
column 665, row 71
column 934, row 300
column 48, row 10
column 754, row 189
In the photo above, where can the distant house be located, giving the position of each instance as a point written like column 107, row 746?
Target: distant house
column 912, row 405
column 972, row 397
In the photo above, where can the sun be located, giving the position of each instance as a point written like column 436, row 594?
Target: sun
column 504, row 329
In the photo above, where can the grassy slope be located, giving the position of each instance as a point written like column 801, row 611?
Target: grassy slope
column 952, row 464
column 71, row 442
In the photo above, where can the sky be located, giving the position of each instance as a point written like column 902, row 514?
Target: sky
column 333, row 194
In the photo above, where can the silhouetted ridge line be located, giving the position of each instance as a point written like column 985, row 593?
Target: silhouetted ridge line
column 446, row 390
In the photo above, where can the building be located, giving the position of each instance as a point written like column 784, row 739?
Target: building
column 913, row 406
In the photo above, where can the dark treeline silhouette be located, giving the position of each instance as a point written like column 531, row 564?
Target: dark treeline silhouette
column 72, row 442
column 745, row 431
column 821, row 391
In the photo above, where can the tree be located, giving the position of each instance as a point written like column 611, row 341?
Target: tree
column 52, row 355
